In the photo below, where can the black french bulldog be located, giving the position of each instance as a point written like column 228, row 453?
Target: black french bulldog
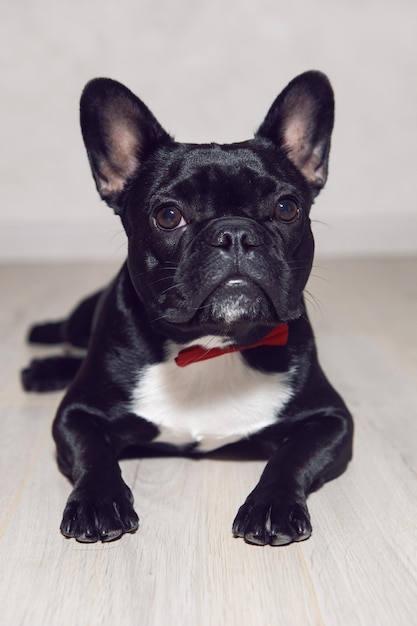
column 203, row 339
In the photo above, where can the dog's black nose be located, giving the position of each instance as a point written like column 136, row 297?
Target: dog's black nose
column 229, row 234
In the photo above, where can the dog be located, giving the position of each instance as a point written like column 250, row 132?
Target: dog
column 202, row 342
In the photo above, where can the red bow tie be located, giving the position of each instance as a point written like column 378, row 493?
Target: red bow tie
column 194, row 354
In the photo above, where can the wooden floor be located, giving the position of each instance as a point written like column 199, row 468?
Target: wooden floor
column 183, row 567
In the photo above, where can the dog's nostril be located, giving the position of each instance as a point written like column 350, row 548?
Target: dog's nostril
column 250, row 240
column 223, row 240
column 228, row 240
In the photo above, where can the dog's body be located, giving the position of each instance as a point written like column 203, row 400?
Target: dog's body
column 203, row 339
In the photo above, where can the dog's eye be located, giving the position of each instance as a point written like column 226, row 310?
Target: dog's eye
column 287, row 210
column 169, row 217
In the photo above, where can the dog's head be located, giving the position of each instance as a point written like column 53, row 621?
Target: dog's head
column 219, row 237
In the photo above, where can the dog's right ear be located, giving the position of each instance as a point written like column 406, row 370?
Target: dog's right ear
column 300, row 121
column 119, row 133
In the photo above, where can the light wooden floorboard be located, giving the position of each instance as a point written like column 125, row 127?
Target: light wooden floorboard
column 183, row 567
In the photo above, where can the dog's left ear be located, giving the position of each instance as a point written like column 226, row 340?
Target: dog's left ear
column 119, row 133
column 301, row 121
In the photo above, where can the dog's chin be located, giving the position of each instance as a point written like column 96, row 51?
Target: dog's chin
column 230, row 311
column 235, row 309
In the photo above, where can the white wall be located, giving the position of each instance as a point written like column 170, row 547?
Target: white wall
column 209, row 71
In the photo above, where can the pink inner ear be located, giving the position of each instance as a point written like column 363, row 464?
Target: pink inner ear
column 298, row 113
column 294, row 140
column 122, row 158
column 305, row 156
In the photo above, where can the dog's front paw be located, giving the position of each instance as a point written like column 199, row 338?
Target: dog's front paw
column 93, row 515
column 276, row 521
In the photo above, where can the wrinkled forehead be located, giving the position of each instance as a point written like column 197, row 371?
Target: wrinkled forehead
column 238, row 172
column 211, row 167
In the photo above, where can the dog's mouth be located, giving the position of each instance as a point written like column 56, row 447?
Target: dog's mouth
column 234, row 306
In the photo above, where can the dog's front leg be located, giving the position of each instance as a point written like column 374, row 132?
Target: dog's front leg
column 316, row 450
column 100, row 508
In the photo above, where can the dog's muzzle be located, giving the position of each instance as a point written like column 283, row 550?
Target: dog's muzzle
column 229, row 278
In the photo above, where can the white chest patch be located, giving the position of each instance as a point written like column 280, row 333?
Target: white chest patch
column 214, row 402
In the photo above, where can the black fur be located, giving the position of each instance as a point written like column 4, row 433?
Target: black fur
column 219, row 244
